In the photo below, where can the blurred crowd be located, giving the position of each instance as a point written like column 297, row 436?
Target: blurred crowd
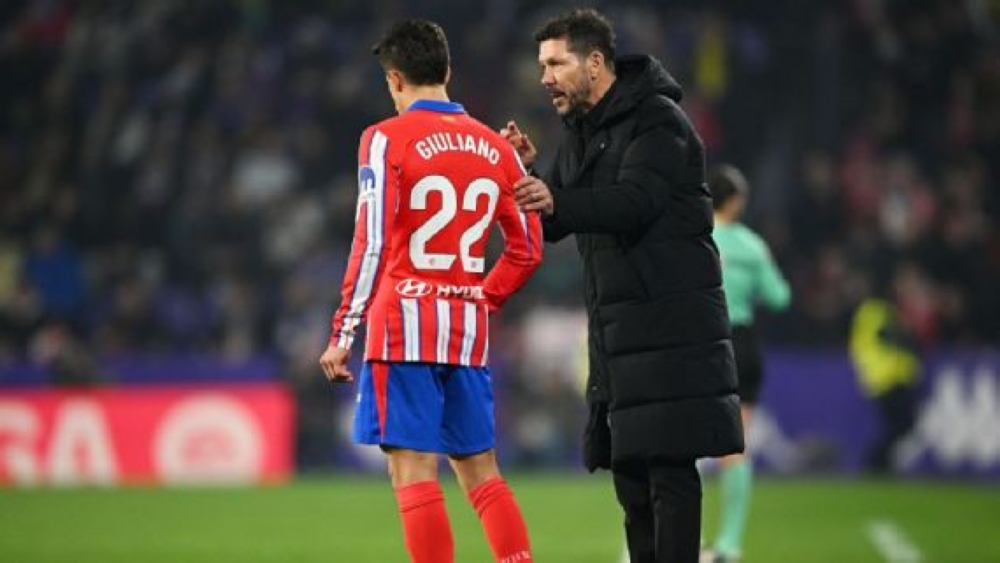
column 178, row 175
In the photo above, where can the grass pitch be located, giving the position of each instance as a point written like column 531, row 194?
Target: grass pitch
column 571, row 518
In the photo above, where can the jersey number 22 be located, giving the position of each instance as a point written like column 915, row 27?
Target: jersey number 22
column 424, row 260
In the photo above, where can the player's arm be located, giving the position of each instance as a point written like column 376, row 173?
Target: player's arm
column 522, row 253
column 773, row 289
column 528, row 154
column 372, row 224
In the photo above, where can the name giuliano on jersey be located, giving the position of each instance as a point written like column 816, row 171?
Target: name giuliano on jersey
column 432, row 182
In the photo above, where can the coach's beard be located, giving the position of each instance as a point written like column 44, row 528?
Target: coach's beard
column 576, row 103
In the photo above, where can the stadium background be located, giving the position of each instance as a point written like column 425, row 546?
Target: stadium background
column 177, row 194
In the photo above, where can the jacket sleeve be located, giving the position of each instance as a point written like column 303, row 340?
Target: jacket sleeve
column 552, row 230
column 377, row 194
column 639, row 193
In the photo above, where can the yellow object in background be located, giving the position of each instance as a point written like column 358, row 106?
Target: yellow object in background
column 880, row 361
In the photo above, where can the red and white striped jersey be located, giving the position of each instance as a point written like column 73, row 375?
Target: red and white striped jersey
column 431, row 184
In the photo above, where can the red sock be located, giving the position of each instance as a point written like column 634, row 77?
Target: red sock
column 425, row 523
column 502, row 521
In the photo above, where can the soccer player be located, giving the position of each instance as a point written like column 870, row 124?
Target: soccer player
column 432, row 183
column 749, row 276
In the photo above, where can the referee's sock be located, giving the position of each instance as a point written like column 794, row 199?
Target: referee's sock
column 426, row 529
column 736, row 481
column 502, row 521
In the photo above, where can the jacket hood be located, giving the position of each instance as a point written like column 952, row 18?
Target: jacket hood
column 638, row 77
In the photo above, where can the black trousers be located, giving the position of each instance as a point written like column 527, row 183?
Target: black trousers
column 662, row 503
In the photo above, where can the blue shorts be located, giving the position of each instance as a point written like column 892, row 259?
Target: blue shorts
column 438, row 408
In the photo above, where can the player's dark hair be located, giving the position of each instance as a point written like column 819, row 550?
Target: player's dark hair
column 725, row 182
column 585, row 30
column 416, row 48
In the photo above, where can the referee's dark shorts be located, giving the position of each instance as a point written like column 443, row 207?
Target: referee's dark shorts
column 749, row 363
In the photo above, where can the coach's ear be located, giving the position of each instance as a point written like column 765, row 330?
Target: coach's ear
column 595, row 63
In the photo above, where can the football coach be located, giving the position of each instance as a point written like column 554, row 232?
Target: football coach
column 628, row 181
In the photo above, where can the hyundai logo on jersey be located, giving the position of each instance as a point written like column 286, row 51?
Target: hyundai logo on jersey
column 413, row 288
column 473, row 292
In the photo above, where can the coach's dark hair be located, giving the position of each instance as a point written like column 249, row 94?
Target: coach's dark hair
column 585, row 30
column 725, row 182
column 418, row 49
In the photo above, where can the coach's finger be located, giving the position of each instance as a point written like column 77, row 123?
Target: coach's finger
column 511, row 130
column 529, row 190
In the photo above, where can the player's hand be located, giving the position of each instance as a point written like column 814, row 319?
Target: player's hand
column 531, row 194
column 522, row 144
column 334, row 364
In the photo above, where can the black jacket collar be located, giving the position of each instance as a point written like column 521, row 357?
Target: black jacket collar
column 638, row 77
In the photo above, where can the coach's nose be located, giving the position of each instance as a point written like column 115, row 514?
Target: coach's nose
column 548, row 78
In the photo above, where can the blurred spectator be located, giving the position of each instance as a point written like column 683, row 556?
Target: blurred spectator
column 53, row 267
column 67, row 358
column 887, row 369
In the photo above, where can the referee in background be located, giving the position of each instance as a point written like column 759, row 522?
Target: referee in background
column 749, row 277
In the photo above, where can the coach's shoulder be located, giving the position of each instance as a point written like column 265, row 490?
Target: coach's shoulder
column 658, row 110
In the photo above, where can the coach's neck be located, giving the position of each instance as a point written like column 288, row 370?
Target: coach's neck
column 600, row 85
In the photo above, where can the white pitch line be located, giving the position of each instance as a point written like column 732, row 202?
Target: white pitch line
column 891, row 543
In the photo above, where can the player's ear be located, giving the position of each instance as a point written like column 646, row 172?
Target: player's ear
column 447, row 76
column 395, row 80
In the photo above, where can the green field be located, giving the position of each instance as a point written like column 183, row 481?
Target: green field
column 571, row 519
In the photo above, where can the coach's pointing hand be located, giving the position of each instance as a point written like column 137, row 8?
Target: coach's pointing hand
column 531, row 194
column 334, row 364
column 522, row 144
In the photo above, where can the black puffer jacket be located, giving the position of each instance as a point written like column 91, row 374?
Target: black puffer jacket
column 631, row 185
